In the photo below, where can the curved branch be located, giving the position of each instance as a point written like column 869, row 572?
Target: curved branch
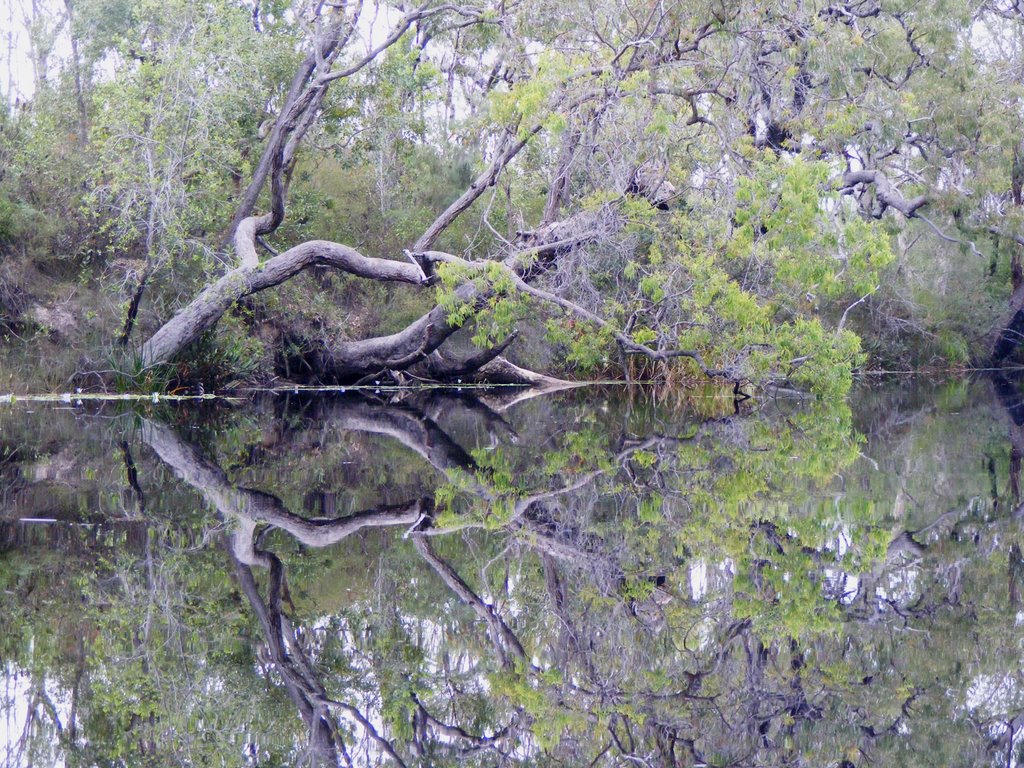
column 210, row 305
column 440, row 368
column 887, row 194
column 307, row 90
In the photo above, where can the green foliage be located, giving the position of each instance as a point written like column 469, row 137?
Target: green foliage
column 495, row 316
column 227, row 354
column 529, row 101
column 170, row 136
column 785, row 220
column 130, row 159
column 587, row 349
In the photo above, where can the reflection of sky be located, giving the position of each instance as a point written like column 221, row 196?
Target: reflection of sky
column 698, row 579
column 991, row 697
column 24, row 713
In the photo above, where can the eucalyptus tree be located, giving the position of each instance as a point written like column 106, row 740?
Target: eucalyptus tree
column 577, row 115
column 171, row 128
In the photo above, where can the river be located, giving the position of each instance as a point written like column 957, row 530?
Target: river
column 600, row 576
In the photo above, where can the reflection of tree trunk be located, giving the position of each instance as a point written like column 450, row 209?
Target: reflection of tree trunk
column 72, row 724
column 570, row 645
column 304, row 688
column 248, row 509
column 1015, row 458
column 1015, row 571
column 132, row 475
column 1012, row 401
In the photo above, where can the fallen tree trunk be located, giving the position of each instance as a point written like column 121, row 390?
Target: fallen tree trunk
column 414, row 348
column 348, row 360
column 206, row 309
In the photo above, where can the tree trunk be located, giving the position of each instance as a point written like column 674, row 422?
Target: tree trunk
column 1008, row 332
column 207, row 308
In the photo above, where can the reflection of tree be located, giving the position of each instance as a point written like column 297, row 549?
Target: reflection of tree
column 556, row 683
column 619, row 589
column 286, row 651
column 247, row 510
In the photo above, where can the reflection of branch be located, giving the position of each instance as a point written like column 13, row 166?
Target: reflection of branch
column 358, row 716
column 304, row 689
column 442, row 404
column 504, row 639
column 301, row 680
column 133, row 476
column 454, row 731
column 409, row 427
column 250, row 508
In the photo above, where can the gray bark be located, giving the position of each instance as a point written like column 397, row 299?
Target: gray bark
column 207, row 308
column 885, row 192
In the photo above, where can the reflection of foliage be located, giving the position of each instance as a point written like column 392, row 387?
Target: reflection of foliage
column 169, row 652
column 618, row 580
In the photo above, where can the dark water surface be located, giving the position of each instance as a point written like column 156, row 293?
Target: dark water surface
column 596, row 577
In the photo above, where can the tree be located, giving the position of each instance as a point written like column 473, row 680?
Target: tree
column 670, row 190
column 595, row 116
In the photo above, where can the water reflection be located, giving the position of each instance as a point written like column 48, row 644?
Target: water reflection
column 587, row 578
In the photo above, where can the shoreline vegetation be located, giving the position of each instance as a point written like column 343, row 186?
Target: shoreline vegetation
column 216, row 195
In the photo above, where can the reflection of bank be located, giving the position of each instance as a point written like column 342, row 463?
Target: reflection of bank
column 71, row 537
column 595, row 590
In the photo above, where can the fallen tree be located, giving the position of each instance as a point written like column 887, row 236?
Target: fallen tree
column 418, row 348
column 498, row 134
column 630, row 262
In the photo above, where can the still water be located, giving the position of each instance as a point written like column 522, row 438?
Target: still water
column 596, row 577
